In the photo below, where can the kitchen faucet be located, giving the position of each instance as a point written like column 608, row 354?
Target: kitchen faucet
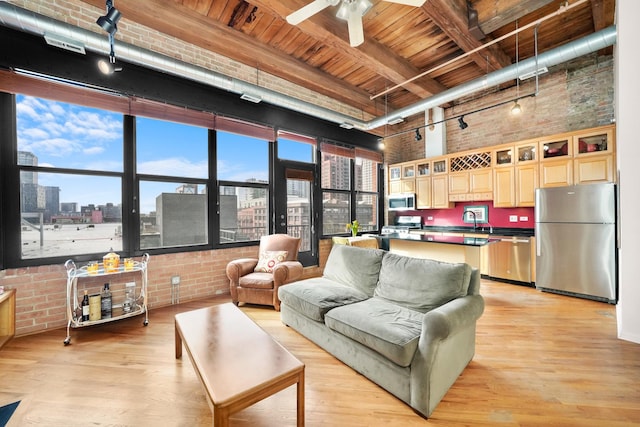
column 475, row 222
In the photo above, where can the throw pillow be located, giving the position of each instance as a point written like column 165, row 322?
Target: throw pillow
column 268, row 260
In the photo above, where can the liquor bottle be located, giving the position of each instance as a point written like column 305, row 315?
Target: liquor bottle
column 85, row 306
column 105, row 302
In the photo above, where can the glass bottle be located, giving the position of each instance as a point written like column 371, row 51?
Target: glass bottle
column 85, row 306
column 105, row 302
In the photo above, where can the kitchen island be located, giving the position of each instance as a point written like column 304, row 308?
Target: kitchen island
column 439, row 247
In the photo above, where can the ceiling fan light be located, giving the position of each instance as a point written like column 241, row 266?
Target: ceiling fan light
column 343, row 11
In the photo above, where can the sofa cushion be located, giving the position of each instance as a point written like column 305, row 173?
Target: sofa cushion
column 387, row 328
column 314, row 297
column 421, row 284
column 354, row 266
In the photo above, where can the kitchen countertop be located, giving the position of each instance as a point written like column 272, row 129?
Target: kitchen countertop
column 498, row 231
column 434, row 238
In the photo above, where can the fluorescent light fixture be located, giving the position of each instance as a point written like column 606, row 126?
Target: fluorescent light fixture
column 347, row 125
column 530, row 74
column 395, row 120
column 251, row 98
column 64, row 43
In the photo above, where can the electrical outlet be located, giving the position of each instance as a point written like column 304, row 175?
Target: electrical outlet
column 524, row 218
column 429, row 218
column 513, row 218
column 175, row 280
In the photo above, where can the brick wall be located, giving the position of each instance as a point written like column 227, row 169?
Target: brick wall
column 41, row 292
column 572, row 96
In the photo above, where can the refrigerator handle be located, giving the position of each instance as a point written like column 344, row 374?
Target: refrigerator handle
column 537, row 246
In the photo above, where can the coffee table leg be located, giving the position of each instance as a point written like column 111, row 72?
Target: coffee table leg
column 220, row 417
column 178, row 343
column 300, row 405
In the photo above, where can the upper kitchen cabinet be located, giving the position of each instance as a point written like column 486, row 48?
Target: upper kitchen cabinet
column 471, row 176
column 503, row 156
column 556, row 161
column 402, row 178
column 594, row 156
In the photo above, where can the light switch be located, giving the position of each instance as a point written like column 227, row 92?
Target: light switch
column 513, row 218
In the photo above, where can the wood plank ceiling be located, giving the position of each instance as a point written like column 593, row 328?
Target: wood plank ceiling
column 401, row 42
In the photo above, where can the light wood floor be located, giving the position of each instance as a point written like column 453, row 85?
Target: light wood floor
column 541, row 359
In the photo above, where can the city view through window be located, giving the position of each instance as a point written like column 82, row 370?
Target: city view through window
column 71, row 179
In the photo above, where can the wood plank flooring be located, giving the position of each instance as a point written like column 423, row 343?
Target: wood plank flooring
column 541, row 359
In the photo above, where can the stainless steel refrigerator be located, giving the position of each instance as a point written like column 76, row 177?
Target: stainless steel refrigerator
column 576, row 241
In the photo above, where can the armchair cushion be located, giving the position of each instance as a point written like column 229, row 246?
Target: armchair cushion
column 257, row 280
column 268, row 260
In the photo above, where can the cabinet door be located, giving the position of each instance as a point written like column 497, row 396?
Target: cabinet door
column 594, row 169
column 504, row 195
column 526, row 184
column 440, row 192
column 408, row 185
column 458, row 183
column 481, row 181
column 556, row 173
column 423, row 193
column 395, row 187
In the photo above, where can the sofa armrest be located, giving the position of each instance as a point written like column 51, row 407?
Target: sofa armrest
column 441, row 322
column 285, row 272
column 240, row 267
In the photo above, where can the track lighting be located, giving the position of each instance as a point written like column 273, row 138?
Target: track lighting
column 516, row 109
column 462, row 123
column 418, row 136
column 109, row 23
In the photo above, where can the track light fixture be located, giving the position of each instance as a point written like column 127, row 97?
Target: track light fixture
column 516, row 109
column 418, row 136
column 462, row 123
column 109, row 23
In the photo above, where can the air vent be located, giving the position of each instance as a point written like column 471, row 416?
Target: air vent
column 533, row 73
column 64, row 43
column 251, row 98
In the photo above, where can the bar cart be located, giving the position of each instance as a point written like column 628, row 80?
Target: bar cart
column 74, row 312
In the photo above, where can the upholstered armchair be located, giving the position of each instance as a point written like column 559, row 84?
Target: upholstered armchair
column 256, row 281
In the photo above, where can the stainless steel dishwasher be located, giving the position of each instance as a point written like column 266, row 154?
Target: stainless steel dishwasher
column 510, row 258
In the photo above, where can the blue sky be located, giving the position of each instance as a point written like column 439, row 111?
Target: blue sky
column 64, row 135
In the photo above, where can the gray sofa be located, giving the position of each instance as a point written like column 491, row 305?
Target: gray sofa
column 407, row 324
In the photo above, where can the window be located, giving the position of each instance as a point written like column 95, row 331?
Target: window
column 243, row 172
column 62, row 212
column 173, row 212
column 366, row 185
column 296, row 147
column 349, row 194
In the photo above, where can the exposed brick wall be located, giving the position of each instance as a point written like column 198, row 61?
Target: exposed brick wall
column 572, row 96
column 41, row 292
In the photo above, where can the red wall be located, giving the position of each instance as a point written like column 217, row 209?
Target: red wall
column 498, row 217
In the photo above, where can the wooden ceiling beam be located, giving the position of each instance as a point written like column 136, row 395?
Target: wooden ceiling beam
column 493, row 15
column 169, row 17
column 451, row 17
column 371, row 55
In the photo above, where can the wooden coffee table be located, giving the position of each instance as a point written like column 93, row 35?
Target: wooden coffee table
column 238, row 363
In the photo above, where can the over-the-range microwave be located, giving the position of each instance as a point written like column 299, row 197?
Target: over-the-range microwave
column 401, row 202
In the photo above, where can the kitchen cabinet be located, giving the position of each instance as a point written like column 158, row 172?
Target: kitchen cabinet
column 526, row 180
column 402, row 178
column 440, row 192
column 458, row 186
column 503, row 157
column 556, row 147
column 556, row 173
column 423, row 192
column 594, row 169
column 481, row 183
column 504, row 188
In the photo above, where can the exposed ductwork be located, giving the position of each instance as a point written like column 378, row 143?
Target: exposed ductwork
column 33, row 23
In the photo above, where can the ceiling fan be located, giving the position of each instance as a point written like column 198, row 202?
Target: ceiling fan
column 351, row 11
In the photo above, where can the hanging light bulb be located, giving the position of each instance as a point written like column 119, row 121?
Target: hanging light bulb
column 516, row 109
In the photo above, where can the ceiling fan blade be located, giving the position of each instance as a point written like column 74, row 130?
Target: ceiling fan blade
column 308, row 11
column 356, row 32
column 415, row 3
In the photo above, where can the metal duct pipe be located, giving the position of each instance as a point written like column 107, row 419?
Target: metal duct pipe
column 31, row 22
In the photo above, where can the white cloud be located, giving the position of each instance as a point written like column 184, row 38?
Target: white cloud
column 175, row 167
